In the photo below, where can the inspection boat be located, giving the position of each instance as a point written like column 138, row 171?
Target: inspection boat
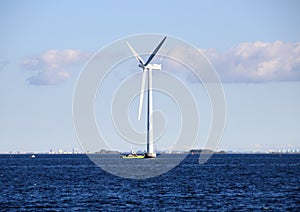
column 133, row 155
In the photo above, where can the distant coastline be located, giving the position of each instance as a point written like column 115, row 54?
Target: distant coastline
column 192, row 152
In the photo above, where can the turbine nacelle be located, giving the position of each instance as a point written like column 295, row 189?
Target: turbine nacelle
column 151, row 66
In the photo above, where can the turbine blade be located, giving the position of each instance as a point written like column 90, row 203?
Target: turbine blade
column 135, row 54
column 155, row 51
column 142, row 93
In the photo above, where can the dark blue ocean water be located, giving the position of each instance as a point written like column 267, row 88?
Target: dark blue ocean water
column 226, row 182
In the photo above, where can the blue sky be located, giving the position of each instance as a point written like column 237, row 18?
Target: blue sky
column 36, row 104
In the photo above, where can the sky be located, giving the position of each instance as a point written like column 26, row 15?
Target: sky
column 254, row 46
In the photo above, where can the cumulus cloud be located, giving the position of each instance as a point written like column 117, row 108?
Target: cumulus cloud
column 245, row 62
column 50, row 67
column 257, row 62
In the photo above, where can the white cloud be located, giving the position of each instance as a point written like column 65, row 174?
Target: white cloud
column 257, row 62
column 245, row 62
column 50, row 66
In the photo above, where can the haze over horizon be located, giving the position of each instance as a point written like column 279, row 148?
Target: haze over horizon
column 253, row 45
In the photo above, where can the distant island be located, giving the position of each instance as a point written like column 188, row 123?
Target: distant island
column 103, row 151
column 205, row 151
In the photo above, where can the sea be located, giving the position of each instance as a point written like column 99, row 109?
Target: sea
column 227, row 182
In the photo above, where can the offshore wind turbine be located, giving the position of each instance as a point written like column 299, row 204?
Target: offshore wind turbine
column 147, row 69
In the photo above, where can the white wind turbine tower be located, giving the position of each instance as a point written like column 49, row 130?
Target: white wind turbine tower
column 147, row 68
